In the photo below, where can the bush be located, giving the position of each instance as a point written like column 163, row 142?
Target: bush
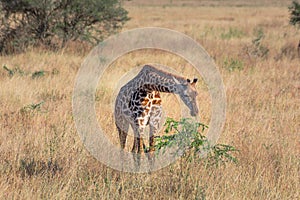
column 295, row 13
column 233, row 64
column 257, row 49
column 55, row 22
column 192, row 144
column 232, row 33
column 295, row 18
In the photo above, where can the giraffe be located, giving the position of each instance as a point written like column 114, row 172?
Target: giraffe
column 138, row 104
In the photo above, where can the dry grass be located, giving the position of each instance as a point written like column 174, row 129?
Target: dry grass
column 42, row 156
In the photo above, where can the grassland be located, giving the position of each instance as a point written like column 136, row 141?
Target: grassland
column 42, row 156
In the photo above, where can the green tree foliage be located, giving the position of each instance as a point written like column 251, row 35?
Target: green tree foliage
column 295, row 18
column 295, row 13
column 191, row 143
column 55, row 22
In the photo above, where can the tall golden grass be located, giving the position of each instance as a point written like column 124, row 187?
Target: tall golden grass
column 42, row 156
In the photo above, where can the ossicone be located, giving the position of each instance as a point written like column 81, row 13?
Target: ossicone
column 192, row 82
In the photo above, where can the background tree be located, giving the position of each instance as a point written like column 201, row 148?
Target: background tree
column 55, row 22
column 295, row 17
column 295, row 13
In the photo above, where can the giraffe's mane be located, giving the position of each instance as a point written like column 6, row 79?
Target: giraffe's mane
column 154, row 69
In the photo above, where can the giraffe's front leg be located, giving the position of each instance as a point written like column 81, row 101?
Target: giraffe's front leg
column 138, row 145
column 140, row 142
column 154, row 123
column 135, row 145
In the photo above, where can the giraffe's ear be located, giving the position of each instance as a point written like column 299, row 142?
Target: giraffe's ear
column 194, row 82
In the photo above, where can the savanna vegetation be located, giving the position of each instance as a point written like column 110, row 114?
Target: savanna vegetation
column 255, row 48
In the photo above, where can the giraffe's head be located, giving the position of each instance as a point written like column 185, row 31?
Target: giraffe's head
column 188, row 94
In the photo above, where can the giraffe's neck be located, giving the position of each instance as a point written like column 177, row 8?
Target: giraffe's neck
column 160, row 88
column 153, row 79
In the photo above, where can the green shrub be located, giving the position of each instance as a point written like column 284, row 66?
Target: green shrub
column 232, row 33
column 295, row 13
column 38, row 74
column 233, row 64
column 55, row 22
column 257, row 49
column 295, row 18
column 12, row 72
column 191, row 142
column 31, row 108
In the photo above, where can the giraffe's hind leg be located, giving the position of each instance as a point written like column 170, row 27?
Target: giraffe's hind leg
column 122, row 127
column 123, row 132
column 122, row 137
